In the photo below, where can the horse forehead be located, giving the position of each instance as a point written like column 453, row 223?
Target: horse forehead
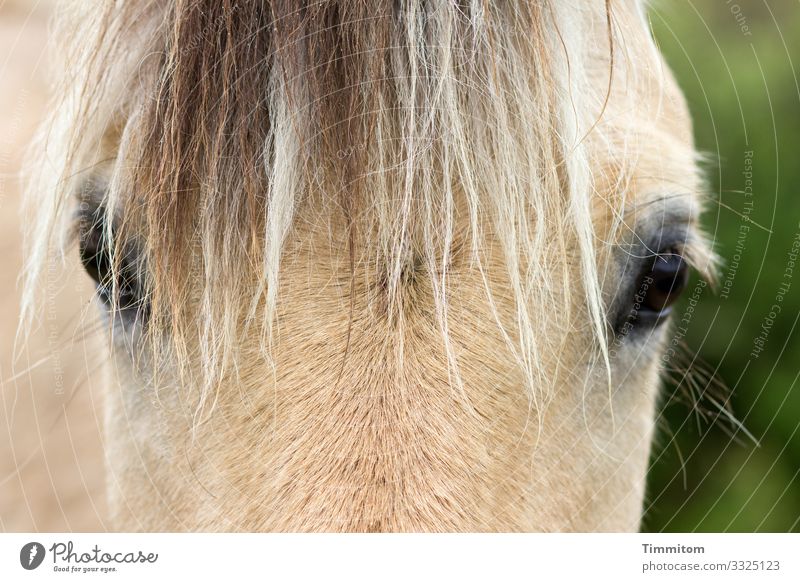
column 642, row 137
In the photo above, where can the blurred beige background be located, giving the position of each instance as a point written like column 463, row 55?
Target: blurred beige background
column 51, row 463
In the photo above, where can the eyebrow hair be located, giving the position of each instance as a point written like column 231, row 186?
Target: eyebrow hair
column 677, row 212
column 675, row 226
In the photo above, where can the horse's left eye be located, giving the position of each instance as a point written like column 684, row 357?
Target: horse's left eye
column 660, row 285
column 118, row 287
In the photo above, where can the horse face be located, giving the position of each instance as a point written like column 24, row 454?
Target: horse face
column 495, row 369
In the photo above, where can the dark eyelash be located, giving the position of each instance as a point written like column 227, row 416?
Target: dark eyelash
column 118, row 278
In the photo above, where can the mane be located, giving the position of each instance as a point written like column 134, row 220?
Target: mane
column 408, row 127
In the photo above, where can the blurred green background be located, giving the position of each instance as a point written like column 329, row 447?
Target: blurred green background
column 737, row 63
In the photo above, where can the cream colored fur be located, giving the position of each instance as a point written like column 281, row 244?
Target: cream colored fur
column 452, row 371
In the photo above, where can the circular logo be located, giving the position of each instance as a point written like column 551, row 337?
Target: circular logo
column 31, row 555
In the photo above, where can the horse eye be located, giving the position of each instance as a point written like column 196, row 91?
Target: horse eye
column 660, row 286
column 94, row 260
column 95, row 254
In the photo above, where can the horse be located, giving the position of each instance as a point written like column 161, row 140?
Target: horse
column 372, row 266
